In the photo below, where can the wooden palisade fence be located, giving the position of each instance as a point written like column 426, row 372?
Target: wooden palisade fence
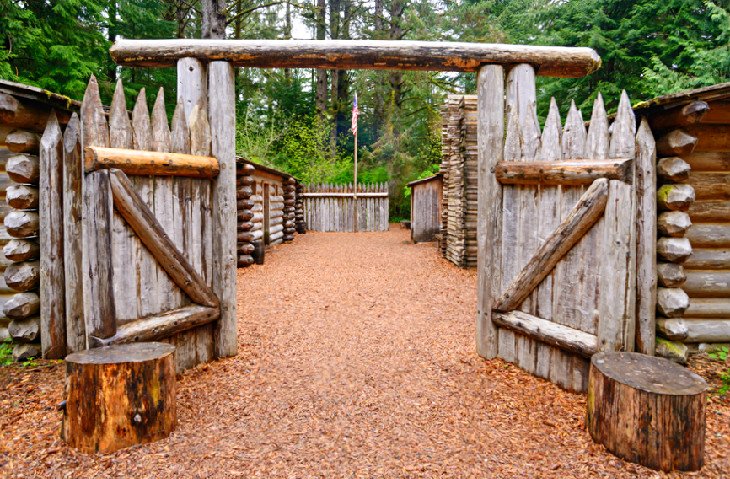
column 335, row 207
column 559, row 229
column 131, row 209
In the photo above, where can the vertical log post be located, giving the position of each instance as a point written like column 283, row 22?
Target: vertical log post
column 222, row 115
column 53, row 322
column 490, row 140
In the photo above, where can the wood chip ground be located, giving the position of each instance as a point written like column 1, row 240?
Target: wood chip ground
column 356, row 359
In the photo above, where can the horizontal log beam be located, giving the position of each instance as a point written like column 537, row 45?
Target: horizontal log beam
column 582, row 217
column 350, row 195
column 708, row 308
column 160, row 326
column 569, row 62
column 707, row 283
column 554, row 334
column 695, row 330
column 572, row 172
column 137, row 162
column 708, row 258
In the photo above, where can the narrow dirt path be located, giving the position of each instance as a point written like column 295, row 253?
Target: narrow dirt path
column 356, row 360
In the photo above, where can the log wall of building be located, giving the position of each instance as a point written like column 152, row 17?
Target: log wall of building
column 459, row 169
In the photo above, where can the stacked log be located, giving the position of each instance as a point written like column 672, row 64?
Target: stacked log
column 673, row 248
column 459, row 168
column 299, row 223
column 247, row 237
column 21, row 268
column 290, row 187
column 276, row 219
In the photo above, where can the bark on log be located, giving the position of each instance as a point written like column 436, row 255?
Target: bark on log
column 22, row 197
column 21, row 250
column 676, row 143
column 675, row 197
column 353, row 54
column 673, row 169
column 23, row 169
column 23, row 276
column 676, row 250
column 647, row 410
column 672, row 302
column 135, row 162
column 22, row 224
column 23, row 142
column 119, row 396
column 673, row 223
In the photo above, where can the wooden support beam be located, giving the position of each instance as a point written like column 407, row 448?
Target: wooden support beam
column 571, row 172
column 354, row 54
column 160, row 326
column 136, row 162
column 707, row 283
column 589, row 209
column 710, row 235
column 708, row 308
column 708, row 258
column 695, row 330
column 143, row 222
column 554, row 334
column 709, row 211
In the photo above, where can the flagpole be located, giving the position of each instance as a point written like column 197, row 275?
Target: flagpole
column 354, row 203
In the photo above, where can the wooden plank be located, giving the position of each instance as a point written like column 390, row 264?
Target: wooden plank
column 646, row 234
column 162, row 325
column 200, row 144
column 353, row 54
column 141, row 219
column 570, row 173
column 222, row 116
column 490, row 138
column 53, row 322
column 585, row 214
column 545, row 331
column 72, row 236
column 136, row 162
column 192, row 84
column 99, row 310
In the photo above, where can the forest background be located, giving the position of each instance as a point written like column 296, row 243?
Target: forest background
column 298, row 120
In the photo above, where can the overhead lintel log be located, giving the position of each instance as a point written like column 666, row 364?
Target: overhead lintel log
column 584, row 215
column 568, row 62
column 160, row 326
column 139, row 217
column 572, row 172
column 137, row 162
column 548, row 332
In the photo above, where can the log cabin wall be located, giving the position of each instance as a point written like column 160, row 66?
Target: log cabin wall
column 692, row 131
column 426, row 203
column 266, row 209
column 459, row 169
column 24, row 111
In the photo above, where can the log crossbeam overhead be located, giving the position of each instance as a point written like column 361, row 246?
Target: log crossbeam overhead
column 572, row 172
column 569, row 62
column 137, row 162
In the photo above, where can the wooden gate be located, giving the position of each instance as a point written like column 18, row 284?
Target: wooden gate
column 142, row 229
column 558, row 235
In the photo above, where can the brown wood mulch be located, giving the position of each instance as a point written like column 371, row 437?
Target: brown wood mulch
column 356, row 359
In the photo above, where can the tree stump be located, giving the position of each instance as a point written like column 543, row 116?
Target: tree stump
column 647, row 410
column 119, row 396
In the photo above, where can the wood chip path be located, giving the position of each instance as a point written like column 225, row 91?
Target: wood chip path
column 356, row 360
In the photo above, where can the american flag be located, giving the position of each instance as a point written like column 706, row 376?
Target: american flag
column 355, row 113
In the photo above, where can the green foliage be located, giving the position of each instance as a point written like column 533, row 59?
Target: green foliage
column 721, row 354
column 430, row 171
column 6, row 352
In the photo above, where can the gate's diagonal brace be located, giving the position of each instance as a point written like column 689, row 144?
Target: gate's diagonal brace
column 143, row 222
column 582, row 217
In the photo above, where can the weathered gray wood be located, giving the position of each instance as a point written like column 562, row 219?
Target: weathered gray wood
column 673, row 169
column 597, row 141
column 99, row 304
column 352, row 54
column 93, row 120
column 222, row 116
column 672, row 302
column 143, row 222
column 676, row 250
column 585, row 214
column 22, row 224
column 161, row 326
column 22, row 306
column 23, row 169
column 141, row 125
column 709, row 211
column 675, row 197
column 570, row 173
column 22, row 142
column 24, row 276
column 673, row 223
column 708, row 258
column 21, row 250
column 548, row 332
column 708, row 308
column 25, row 330
column 695, row 330
column 192, row 84
column 671, row 275
column 120, row 127
column 646, row 235
column 180, row 134
column 22, row 197
column 713, row 235
column 709, row 283
column 52, row 283
column 72, row 237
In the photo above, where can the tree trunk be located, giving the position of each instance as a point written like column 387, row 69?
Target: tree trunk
column 214, row 19
column 321, row 89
